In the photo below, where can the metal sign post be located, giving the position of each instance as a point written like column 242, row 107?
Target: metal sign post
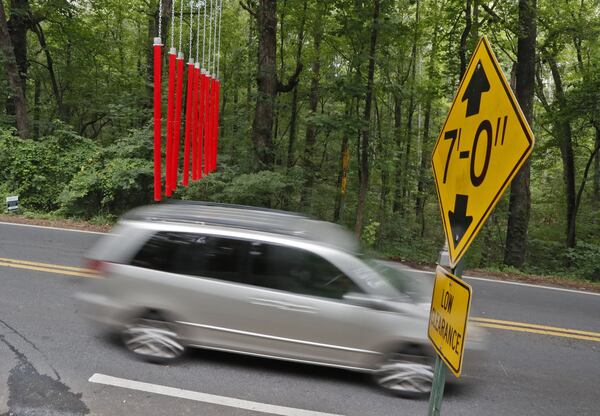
column 461, row 310
column 437, row 388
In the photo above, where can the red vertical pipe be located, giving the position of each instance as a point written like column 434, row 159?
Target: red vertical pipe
column 214, row 126
column 201, row 122
column 217, row 100
column 194, row 120
column 209, row 130
column 206, row 143
column 177, row 131
column 188, row 124
column 170, row 122
column 198, row 121
column 157, row 121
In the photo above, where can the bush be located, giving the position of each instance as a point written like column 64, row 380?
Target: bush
column 113, row 180
column 585, row 260
column 37, row 171
column 264, row 189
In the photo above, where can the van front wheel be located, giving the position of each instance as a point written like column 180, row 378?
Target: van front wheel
column 407, row 374
column 153, row 339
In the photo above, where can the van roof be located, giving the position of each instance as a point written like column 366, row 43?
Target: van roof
column 248, row 218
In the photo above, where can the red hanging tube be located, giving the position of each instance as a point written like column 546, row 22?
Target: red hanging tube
column 170, row 120
column 194, row 120
column 198, row 121
column 205, row 128
column 188, row 124
column 217, row 100
column 214, row 126
column 177, row 130
column 157, row 118
column 201, row 122
column 209, row 125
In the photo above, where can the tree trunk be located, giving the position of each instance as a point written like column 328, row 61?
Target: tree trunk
column 364, row 147
column 420, row 201
column 563, row 131
column 37, row 29
column 342, row 181
column 520, row 194
column 311, row 128
column 397, row 205
column 14, row 79
column 18, row 24
column 385, row 177
column 37, row 93
column 423, row 174
column 266, row 81
column 597, row 169
column 411, row 109
column 464, row 39
column 294, row 104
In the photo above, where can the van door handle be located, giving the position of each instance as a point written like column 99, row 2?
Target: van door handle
column 283, row 305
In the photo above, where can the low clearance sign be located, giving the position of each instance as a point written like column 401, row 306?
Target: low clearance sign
column 450, row 305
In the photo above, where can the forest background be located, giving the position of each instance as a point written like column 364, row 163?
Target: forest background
column 330, row 108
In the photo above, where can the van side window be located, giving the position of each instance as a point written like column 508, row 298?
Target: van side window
column 193, row 254
column 157, row 253
column 295, row 270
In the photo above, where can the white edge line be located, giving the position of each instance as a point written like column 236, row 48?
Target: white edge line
column 51, row 228
column 560, row 289
column 203, row 397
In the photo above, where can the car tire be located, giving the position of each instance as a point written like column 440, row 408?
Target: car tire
column 152, row 338
column 407, row 373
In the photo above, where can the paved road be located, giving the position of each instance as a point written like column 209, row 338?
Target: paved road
column 48, row 354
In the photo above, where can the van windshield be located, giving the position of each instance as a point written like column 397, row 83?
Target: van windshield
column 417, row 289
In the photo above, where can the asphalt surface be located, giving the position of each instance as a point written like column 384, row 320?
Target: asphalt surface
column 48, row 352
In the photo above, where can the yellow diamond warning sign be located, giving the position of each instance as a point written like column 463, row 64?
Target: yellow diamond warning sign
column 448, row 317
column 483, row 144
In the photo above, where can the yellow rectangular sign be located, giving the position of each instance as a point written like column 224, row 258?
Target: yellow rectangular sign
column 450, row 305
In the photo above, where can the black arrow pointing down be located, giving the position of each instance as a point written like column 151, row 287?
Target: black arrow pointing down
column 459, row 220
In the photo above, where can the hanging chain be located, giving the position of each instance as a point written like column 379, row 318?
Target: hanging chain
column 215, row 39
column 191, row 25
column 159, row 17
column 210, row 17
column 219, row 42
column 204, row 35
column 172, row 24
column 200, row 4
column 180, row 25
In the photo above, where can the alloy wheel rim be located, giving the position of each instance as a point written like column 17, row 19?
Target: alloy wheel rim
column 152, row 339
column 406, row 374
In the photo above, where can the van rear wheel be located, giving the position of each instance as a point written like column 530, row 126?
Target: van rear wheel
column 407, row 374
column 153, row 339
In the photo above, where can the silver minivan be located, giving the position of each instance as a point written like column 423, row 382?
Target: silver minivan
column 261, row 282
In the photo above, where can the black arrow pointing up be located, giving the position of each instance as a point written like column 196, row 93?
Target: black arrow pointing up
column 477, row 86
column 459, row 220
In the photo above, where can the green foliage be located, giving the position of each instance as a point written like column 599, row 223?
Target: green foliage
column 265, row 188
column 369, row 235
column 38, row 170
column 113, row 180
column 585, row 261
column 97, row 161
